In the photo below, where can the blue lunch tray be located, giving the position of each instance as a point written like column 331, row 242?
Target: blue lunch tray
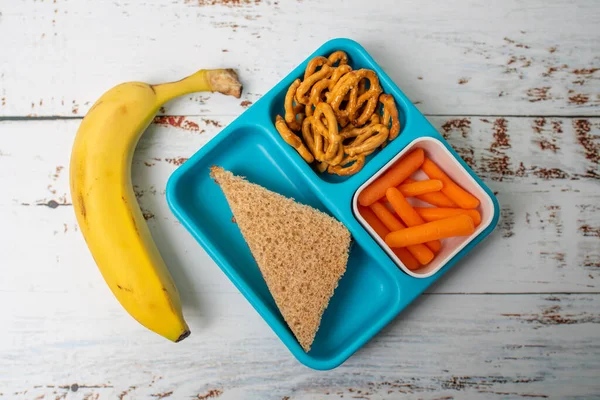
column 373, row 290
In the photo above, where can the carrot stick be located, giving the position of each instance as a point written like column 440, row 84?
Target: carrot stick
column 408, row 214
column 392, row 177
column 457, row 194
column 420, row 251
column 403, row 254
column 433, row 214
column 374, row 222
column 437, row 199
column 387, row 217
column 420, row 187
column 459, row 225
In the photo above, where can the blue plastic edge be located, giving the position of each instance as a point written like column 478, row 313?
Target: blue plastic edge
column 282, row 333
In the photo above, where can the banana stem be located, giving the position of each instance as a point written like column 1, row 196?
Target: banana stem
column 205, row 80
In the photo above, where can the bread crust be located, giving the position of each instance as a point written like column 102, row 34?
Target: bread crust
column 301, row 252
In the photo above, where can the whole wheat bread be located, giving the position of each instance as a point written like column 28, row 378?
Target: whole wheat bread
column 300, row 251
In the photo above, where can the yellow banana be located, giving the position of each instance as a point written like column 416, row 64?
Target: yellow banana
column 106, row 207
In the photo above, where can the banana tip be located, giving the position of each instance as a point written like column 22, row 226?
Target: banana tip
column 183, row 335
column 226, row 81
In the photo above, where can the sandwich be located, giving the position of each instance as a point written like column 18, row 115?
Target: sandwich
column 300, row 251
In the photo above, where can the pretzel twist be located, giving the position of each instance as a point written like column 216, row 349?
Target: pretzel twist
column 331, row 131
column 390, row 112
column 293, row 140
column 344, row 90
column 333, row 110
column 313, row 138
column 315, row 63
column 337, row 74
column 339, row 156
column 316, row 91
column 304, row 88
column 319, row 143
column 289, row 106
column 368, row 141
column 308, row 135
column 370, row 97
column 344, row 169
column 336, row 56
column 308, row 110
column 322, row 166
column 354, row 131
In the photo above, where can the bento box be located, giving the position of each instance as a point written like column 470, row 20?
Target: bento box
column 376, row 287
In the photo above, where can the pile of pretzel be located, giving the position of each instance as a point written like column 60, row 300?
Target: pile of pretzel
column 335, row 112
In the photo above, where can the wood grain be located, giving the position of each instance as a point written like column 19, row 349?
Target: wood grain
column 512, row 85
column 504, row 58
column 80, row 344
column 547, row 239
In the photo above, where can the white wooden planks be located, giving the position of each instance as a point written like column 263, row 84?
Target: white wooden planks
column 547, row 239
column 501, row 58
column 80, row 344
column 514, row 88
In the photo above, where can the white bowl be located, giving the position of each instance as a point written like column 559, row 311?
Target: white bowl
column 439, row 154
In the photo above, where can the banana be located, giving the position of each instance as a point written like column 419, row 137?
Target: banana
column 107, row 211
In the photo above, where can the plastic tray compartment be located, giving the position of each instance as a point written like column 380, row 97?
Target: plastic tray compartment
column 374, row 289
column 439, row 154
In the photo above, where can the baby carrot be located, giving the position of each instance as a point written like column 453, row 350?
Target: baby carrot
column 392, row 177
column 420, row 187
column 387, row 217
column 457, row 194
column 373, row 221
column 433, row 214
column 459, row 225
column 420, row 251
column 408, row 214
column 437, row 199
column 403, row 254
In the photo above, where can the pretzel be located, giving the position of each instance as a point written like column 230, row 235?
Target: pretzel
column 346, row 86
column 360, row 139
column 298, row 111
column 337, row 74
column 293, row 140
column 342, row 88
column 390, row 112
column 305, row 86
column 343, row 121
column 308, row 110
column 353, row 131
column 374, row 119
column 308, row 135
column 370, row 97
column 290, row 111
column 332, row 95
column 319, row 141
column 339, row 156
column 322, row 166
column 342, row 170
column 331, row 132
column 368, row 141
column 314, row 64
column 374, row 86
column 313, row 139
column 362, row 86
column 316, row 91
column 336, row 56
column 368, row 110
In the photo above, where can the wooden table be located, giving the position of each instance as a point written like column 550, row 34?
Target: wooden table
column 515, row 88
